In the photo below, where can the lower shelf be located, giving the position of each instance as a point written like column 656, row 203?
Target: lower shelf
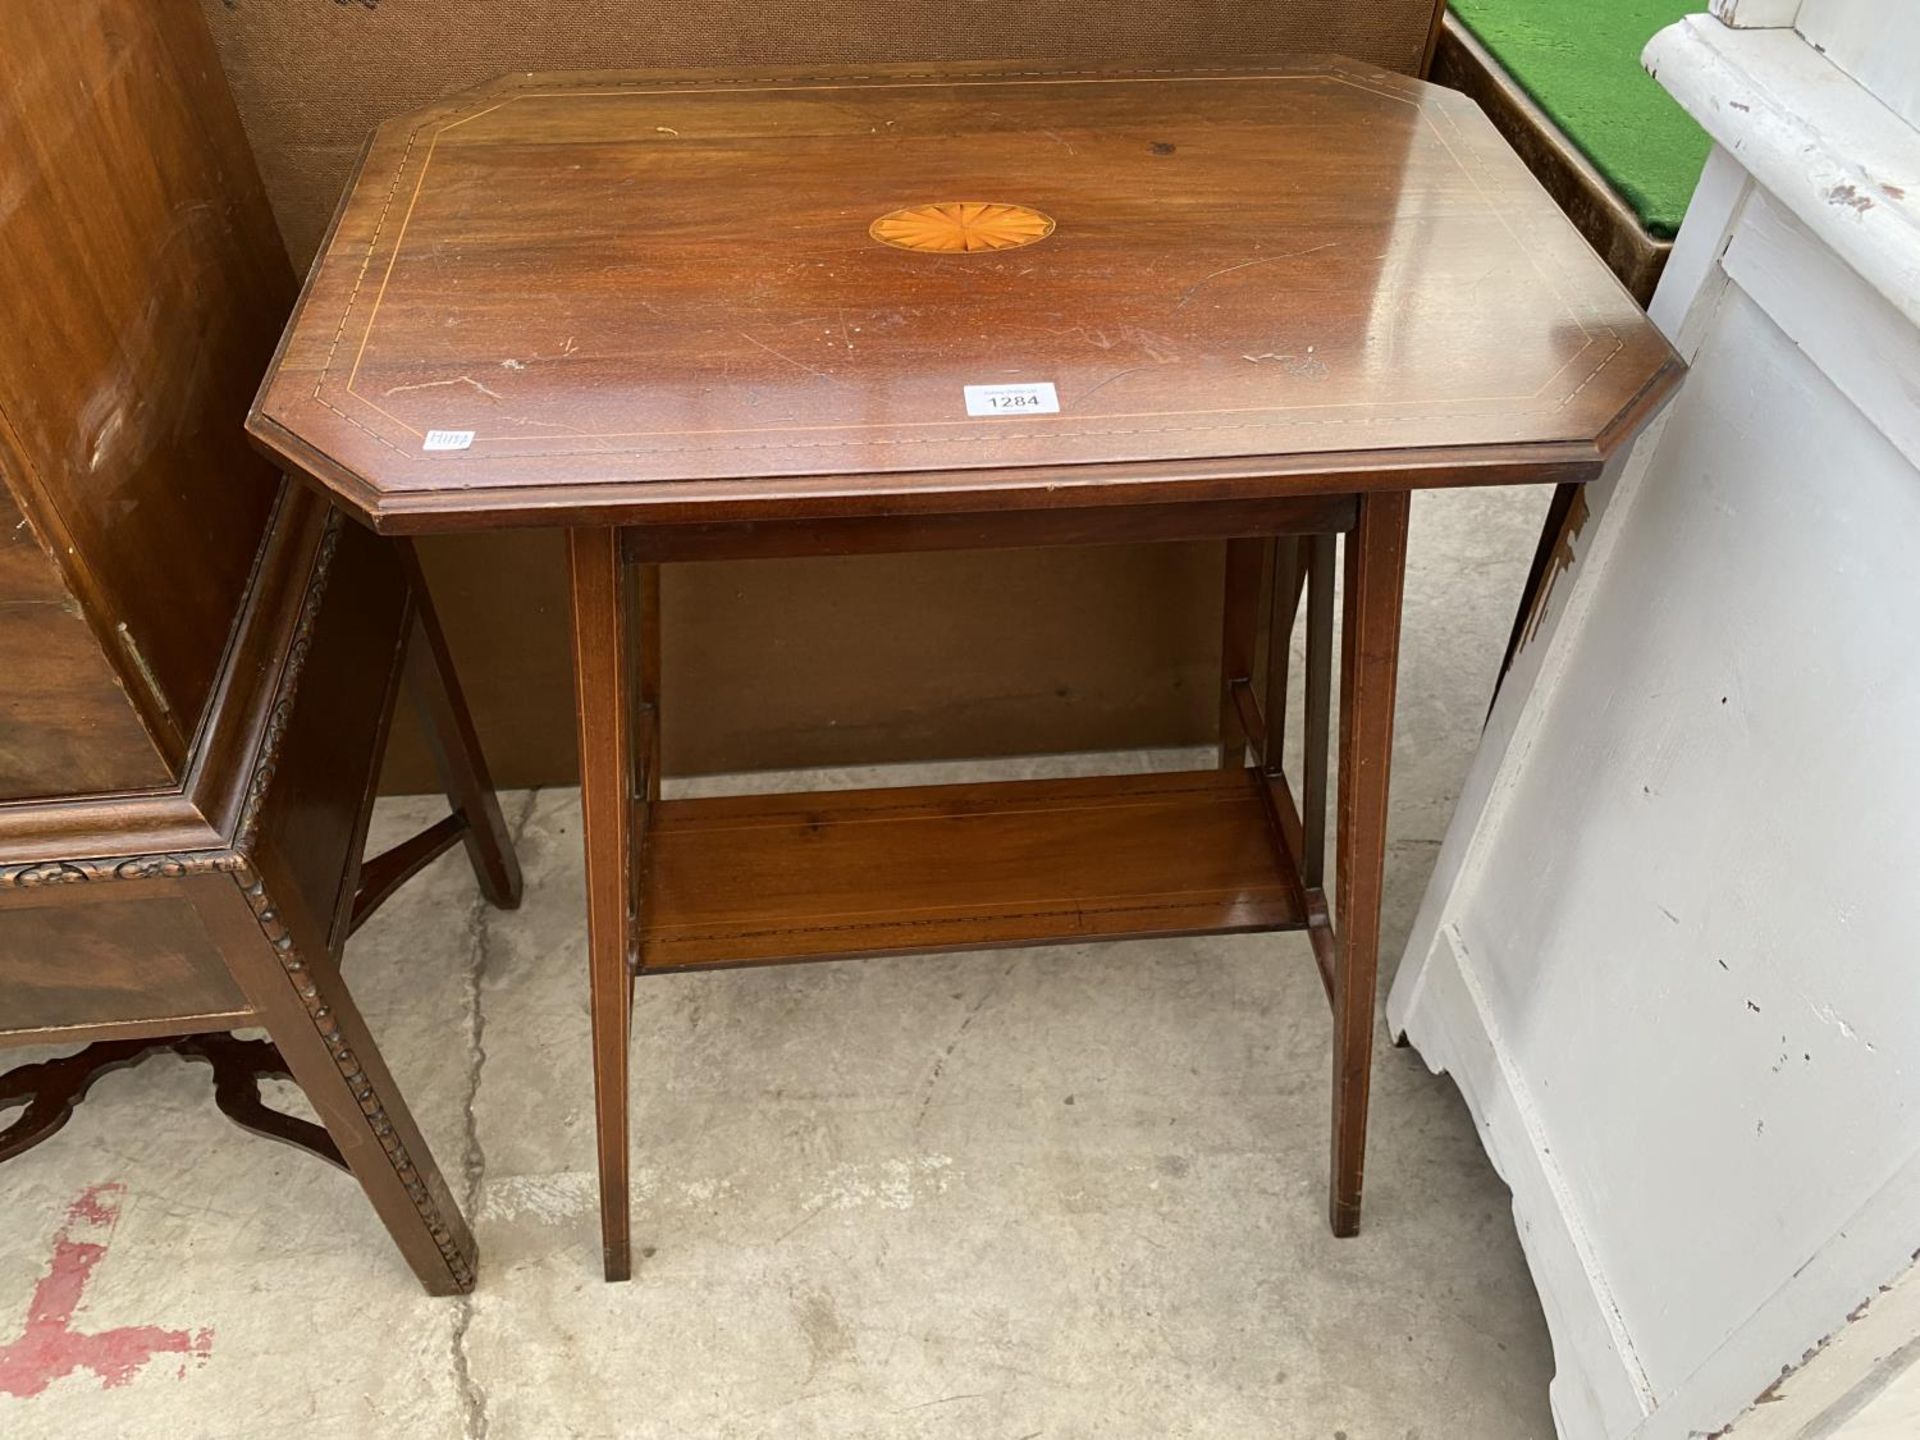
column 763, row 879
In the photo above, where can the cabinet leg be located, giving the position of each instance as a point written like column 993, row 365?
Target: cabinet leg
column 1376, row 555
column 462, row 769
column 604, row 690
column 278, row 954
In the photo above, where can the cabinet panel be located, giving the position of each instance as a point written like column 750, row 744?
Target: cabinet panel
column 145, row 290
column 123, row 953
column 65, row 723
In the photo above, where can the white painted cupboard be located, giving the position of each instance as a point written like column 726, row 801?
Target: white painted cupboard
column 1671, row 952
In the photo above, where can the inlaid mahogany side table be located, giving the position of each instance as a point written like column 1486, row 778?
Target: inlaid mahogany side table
column 701, row 316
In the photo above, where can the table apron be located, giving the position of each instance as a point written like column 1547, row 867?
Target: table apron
column 992, row 530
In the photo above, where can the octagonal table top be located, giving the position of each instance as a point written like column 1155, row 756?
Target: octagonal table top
column 622, row 297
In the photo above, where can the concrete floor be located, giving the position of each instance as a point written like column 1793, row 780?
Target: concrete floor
column 1049, row 1193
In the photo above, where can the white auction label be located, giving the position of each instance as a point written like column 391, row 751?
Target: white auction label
column 1035, row 399
column 447, row 440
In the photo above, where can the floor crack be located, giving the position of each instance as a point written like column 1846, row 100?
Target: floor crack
column 473, row 1398
column 940, row 1064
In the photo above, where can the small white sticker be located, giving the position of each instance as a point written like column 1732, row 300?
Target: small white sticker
column 1035, row 399
column 447, row 440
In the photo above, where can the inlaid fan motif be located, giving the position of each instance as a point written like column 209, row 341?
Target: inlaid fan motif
column 961, row 227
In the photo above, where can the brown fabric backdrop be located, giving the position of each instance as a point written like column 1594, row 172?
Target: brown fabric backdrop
column 814, row 662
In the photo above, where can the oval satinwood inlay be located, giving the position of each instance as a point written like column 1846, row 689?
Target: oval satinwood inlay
column 961, row 227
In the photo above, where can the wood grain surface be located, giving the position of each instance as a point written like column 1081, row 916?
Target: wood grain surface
column 76, row 960
column 141, row 285
column 623, row 295
column 760, row 879
column 312, row 80
column 65, row 723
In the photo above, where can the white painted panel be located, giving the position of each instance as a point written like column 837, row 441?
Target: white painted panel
column 1869, row 351
column 1755, row 14
column 1680, row 305
column 1696, row 924
column 1874, row 41
column 1599, row 1389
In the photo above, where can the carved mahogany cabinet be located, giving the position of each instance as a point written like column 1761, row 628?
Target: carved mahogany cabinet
column 735, row 314
column 198, row 662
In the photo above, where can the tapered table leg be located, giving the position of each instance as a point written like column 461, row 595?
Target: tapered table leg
column 604, row 696
column 1376, row 556
column 1317, row 713
column 1239, row 636
column 1283, row 608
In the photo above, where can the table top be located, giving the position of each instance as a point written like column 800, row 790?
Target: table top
column 624, row 297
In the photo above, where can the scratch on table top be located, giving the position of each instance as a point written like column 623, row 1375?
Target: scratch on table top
column 797, row 364
column 1118, row 374
column 1245, row 264
column 435, row 384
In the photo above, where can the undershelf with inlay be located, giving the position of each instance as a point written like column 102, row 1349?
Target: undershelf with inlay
column 752, row 880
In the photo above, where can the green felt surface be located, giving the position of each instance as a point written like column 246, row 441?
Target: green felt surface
column 1580, row 61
